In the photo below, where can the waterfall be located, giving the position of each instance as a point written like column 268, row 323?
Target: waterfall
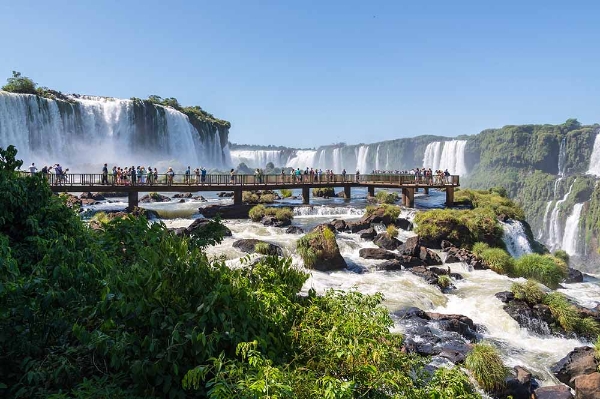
column 377, row 166
column 337, row 160
column 446, row 155
column 87, row 131
column 302, row 159
column 554, row 229
column 515, row 239
column 562, row 157
column 571, row 235
column 594, row 168
column 361, row 159
column 327, row 211
column 257, row 158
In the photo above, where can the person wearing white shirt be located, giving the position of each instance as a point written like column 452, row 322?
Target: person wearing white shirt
column 32, row 168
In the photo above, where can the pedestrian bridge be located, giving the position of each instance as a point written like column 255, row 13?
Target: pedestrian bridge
column 86, row 182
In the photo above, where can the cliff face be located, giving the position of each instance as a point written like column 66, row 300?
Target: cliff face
column 80, row 130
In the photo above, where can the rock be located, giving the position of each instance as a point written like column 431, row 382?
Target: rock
column 429, row 257
column 503, row 218
column 587, row 386
column 330, row 257
column 357, row 226
column 519, row 386
column 457, row 323
column 446, row 245
column 553, row 392
column 181, row 201
column 454, row 356
column 294, row 230
column 409, row 261
column 439, row 271
column 199, row 198
column 199, row 225
column 182, row 195
column 273, row 221
column 226, row 211
column 456, row 276
column 424, row 273
column 378, row 216
column 412, row 313
column 575, row 276
column 341, row 194
column 224, row 194
column 451, row 258
column 537, row 320
column 93, row 196
column 389, row 265
column 338, row 224
column 367, row 234
column 505, row 296
column 383, row 240
column 410, row 247
column 376, row 253
column 248, row 245
column 71, row 200
column 404, row 224
column 578, row 362
column 155, row 197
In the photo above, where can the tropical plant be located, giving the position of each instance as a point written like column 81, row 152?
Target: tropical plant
column 529, row 292
column 487, row 367
column 387, row 197
column 545, row 269
column 498, row 260
column 286, row 192
column 256, row 213
column 20, row 84
column 479, row 247
column 262, row 248
column 563, row 311
column 323, row 192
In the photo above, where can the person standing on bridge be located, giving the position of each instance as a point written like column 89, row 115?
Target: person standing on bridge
column 202, row 175
column 344, row 174
column 232, row 176
column 105, row 174
column 170, row 175
column 33, row 169
column 357, row 175
column 188, row 174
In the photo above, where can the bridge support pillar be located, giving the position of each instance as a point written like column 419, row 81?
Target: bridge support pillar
column 347, row 192
column 237, row 196
column 133, row 201
column 371, row 190
column 426, row 190
column 449, row 196
column 306, row 195
column 408, row 197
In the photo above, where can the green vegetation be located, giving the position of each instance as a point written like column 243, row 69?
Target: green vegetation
column 134, row 311
column 20, row 84
column 529, row 292
column 387, row 197
column 323, row 192
column 444, row 281
column 317, row 244
column 597, row 349
column 562, row 255
column 195, row 113
column 487, row 367
column 479, row 247
column 286, row 192
column 498, row 260
column 259, row 211
column 262, row 248
column 494, row 199
column 258, row 197
column 392, row 231
column 546, row 269
column 392, row 211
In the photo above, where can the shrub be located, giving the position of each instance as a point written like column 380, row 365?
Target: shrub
column 284, row 214
column 100, row 217
column 544, row 269
column 597, row 349
column 323, row 192
column 286, row 192
column 262, row 248
column 588, row 327
column 267, row 198
column 387, row 197
column 257, row 213
column 498, row 260
column 318, row 244
column 444, row 281
column 562, row 255
column 487, row 367
column 563, row 311
column 19, row 84
column 392, row 211
column 479, row 247
column 155, row 196
column 392, row 231
column 494, row 200
column 529, row 292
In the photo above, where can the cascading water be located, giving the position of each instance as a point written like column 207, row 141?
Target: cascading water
column 515, row 239
column 571, row 235
column 554, row 240
column 446, row 155
column 377, row 166
column 87, row 131
column 594, row 168
column 562, row 156
column 302, row 159
column 361, row 159
column 257, row 158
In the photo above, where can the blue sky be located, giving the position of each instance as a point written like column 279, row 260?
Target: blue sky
column 310, row 73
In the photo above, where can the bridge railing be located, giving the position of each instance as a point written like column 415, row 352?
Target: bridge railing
column 163, row 179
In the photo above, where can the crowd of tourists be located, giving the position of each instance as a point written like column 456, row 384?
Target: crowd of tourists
column 148, row 176
column 422, row 175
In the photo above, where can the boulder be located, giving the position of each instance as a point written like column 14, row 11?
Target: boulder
column 199, row 198
column 575, row 276
column 339, row 224
column 155, row 197
column 376, row 253
column 226, row 211
column 389, row 265
column 367, row 234
column 455, row 322
column 536, row 320
column 446, row 245
column 451, row 258
column 330, row 257
column 412, row 313
column 410, row 247
column 587, row 386
column 424, row 273
column 182, row 195
column 580, row 361
column 199, row 225
column 409, row 261
column 225, row 194
column 92, row 196
column 429, row 257
column 505, row 296
column 404, row 224
column 248, row 245
column 378, row 216
column 383, row 240
column 357, row 226
column 273, row 221
column 294, row 230
column 518, row 386
column 553, row 392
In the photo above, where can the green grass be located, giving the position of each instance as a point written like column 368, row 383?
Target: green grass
column 392, row 211
column 491, row 199
column 319, row 243
column 262, row 248
column 546, row 269
column 392, row 231
column 323, row 192
column 479, row 247
column 101, row 217
column 257, row 212
column 563, row 311
column 498, row 260
column 529, row 292
column 286, row 192
column 562, row 255
column 444, row 281
column 387, row 197
column 487, row 367
column 597, row 349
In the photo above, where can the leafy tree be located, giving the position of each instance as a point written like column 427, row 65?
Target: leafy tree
column 20, row 84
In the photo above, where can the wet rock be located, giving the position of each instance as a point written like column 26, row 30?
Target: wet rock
column 225, row 194
column 329, row 257
column 71, row 200
column 226, row 211
column 378, row 216
column 383, row 240
column 338, row 224
column 527, row 317
column 409, row 261
column 367, row 234
column 505, row 296
column 199, row 198
column 248, row 245
column 404, row 224
column 182, row 195
column 439, row 271
column 456, row 276
column 198, row 226
column 376, row 253
column 518, row 386
column 412, row 313
column 273, row 221
column 578, row 362
column 451, row 258
column 410, row 247
column 457, row 323
column 429, row 257
column 454, row 356
column 181, row 201
column 294, row 230
column 93, row 196
column 575, row 276
column 587, row 386
column 503, row 218
column 154, row 197
column 425, row 274
column 553, row 392
column 357, row 226
column 389, row 265
column 446, row 245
